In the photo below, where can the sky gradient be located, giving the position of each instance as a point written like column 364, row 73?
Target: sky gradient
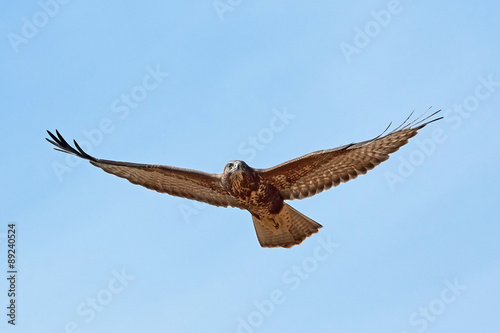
column 410, row 247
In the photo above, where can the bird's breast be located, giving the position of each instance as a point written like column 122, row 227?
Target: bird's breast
column 258, row 196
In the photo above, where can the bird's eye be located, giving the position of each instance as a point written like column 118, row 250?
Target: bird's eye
column 229, row 165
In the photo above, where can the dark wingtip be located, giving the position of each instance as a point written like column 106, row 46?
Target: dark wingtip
column 62, row 145
column 415, row 124
column 419, row 124
column 51, row 141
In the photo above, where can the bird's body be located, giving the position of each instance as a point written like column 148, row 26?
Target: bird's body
column 253, row 192
column 275, row 222
column 263, row 191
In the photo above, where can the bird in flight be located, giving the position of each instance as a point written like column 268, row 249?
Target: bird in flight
column 263, row 191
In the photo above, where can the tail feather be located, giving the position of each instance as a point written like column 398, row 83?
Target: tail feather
column 287, row 228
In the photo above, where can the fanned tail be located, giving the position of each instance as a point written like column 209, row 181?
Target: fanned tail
column 286, row 229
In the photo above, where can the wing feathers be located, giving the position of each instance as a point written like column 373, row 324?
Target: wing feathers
column 190, row 184
column 318, row 171
column 296, row 179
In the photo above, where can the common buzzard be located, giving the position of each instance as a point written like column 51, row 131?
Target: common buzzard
column 262, row 191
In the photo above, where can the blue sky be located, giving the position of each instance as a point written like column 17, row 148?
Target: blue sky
column 410, row 247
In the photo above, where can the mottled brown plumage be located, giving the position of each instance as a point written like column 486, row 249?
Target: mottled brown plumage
column 262, row 191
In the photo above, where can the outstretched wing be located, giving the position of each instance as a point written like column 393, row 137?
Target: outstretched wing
column 190, row 184
column 318, row 171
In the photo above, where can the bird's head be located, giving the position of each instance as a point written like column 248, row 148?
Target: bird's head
column 235, row 167
column 237, row 171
